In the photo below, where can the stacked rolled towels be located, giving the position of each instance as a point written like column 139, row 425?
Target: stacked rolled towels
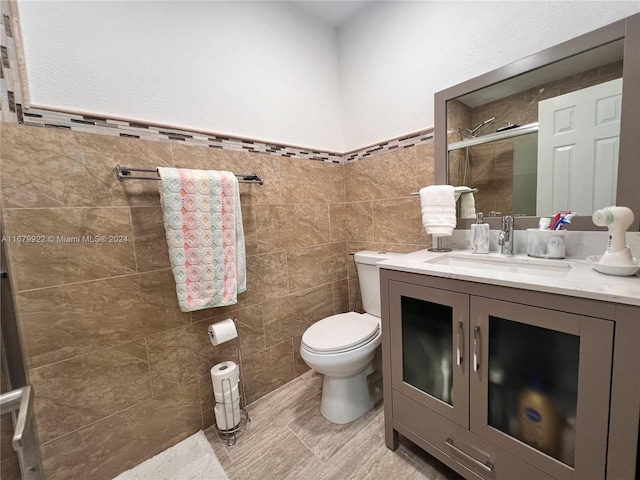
column 438, row 204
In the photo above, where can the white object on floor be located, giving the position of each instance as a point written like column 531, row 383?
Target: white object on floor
column 191, row 459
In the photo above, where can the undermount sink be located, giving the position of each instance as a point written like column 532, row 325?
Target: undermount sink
column 527, row 266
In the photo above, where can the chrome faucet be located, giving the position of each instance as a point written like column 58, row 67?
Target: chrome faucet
column 505, row 238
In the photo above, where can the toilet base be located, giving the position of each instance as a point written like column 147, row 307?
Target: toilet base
column 345, row 399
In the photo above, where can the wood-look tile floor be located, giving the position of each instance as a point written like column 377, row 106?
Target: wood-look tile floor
column 288, row 438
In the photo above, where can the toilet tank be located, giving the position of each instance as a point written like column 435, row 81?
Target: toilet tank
column 369, row 278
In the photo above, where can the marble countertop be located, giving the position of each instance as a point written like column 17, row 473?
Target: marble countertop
column 582, row 281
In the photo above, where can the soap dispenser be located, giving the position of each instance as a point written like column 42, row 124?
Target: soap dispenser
column 480, row 235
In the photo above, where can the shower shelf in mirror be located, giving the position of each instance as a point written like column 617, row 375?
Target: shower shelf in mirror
column 492, row 137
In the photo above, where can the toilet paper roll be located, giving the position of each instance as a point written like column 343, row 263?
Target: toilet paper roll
column 227, row 415
column 227, row 396
column 223, row 331
column 222, row 372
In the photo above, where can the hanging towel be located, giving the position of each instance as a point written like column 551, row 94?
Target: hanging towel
column 438, row 204
column 203, row 224
column 466, row 202
column 467, row 205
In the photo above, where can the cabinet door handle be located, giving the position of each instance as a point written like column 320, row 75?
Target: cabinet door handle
column 459, row 345
column 476, row 347
column 488, row 466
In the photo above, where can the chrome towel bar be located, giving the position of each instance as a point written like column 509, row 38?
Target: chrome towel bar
column 125, row 173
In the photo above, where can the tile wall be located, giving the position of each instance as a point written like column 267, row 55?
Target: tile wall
column 119, row 372
column 381, row 213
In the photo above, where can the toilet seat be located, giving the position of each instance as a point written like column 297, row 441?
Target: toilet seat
column 341, row 333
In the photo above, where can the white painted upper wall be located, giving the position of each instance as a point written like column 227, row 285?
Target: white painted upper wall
column 270, row 71
column 261, row 70
column 394, row 56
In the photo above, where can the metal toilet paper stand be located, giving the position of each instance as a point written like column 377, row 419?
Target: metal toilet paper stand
column 231, row 435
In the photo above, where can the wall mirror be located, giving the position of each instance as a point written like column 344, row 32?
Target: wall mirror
column 556, row 131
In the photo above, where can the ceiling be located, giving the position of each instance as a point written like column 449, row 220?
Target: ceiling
column 333, row 12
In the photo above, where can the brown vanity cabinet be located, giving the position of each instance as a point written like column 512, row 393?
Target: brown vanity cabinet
column 499, row 382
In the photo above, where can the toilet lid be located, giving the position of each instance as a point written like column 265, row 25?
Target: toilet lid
column 341, row 332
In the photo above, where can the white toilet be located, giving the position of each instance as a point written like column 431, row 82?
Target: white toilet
column 342, row 347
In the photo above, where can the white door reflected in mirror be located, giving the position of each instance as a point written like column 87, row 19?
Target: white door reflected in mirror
column 578, row 143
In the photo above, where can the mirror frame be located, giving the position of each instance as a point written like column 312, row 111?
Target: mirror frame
column 628, row 190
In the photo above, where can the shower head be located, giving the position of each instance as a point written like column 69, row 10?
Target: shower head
column 480, row 127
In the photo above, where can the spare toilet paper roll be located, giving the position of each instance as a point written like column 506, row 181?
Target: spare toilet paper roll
column 223, row 331
column 227, row 397
column 227, row 415
column 224, row 376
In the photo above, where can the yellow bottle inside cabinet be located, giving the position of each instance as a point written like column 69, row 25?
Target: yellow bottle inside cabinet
column 539, row 423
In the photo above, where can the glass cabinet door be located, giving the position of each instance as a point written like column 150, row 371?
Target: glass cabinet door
column 429, row 346
column 533, row 366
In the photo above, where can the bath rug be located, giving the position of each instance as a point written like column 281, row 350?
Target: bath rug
column 191, row 459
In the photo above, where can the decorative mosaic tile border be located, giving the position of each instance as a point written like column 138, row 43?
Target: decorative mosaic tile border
column 390, row 145
column 12, row 111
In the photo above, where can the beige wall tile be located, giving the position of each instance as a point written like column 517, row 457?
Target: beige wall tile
column 206, row 158
column 149, row 237
column 127, row 152
column 338, row 222
column 305, row 181
column 426, row 165
column 377, row 247
column 266, row 278
column 398, row 221
column 282, row 227
column 51, row 262
column 268, row 370
column 317, row 265
column 341, row 302
column 6, row 438
column 53, row 168
column 249, row 228
column 299, row 365
column 250, row 330
column 207, row 401
column 63, row 322
column 80, row 391
column 359, row 221
column 289, row 316
column 387, row 175
column 37, row 166
column 180, row 356
column 117, row 443
column 266, row 166
column 10, row 468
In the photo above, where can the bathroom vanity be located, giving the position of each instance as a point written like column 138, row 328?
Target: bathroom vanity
column 469, row 339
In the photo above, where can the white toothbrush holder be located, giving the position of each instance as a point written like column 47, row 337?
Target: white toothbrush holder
column 546, row 243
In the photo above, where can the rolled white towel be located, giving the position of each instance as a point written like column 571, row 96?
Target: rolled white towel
column 438, row 204
column 467, row 205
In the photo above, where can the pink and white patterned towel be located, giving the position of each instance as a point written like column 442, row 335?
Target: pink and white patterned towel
column 203, row 223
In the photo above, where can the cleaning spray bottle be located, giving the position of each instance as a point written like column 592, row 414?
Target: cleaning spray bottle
column 617, row 220
column 539, row 423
